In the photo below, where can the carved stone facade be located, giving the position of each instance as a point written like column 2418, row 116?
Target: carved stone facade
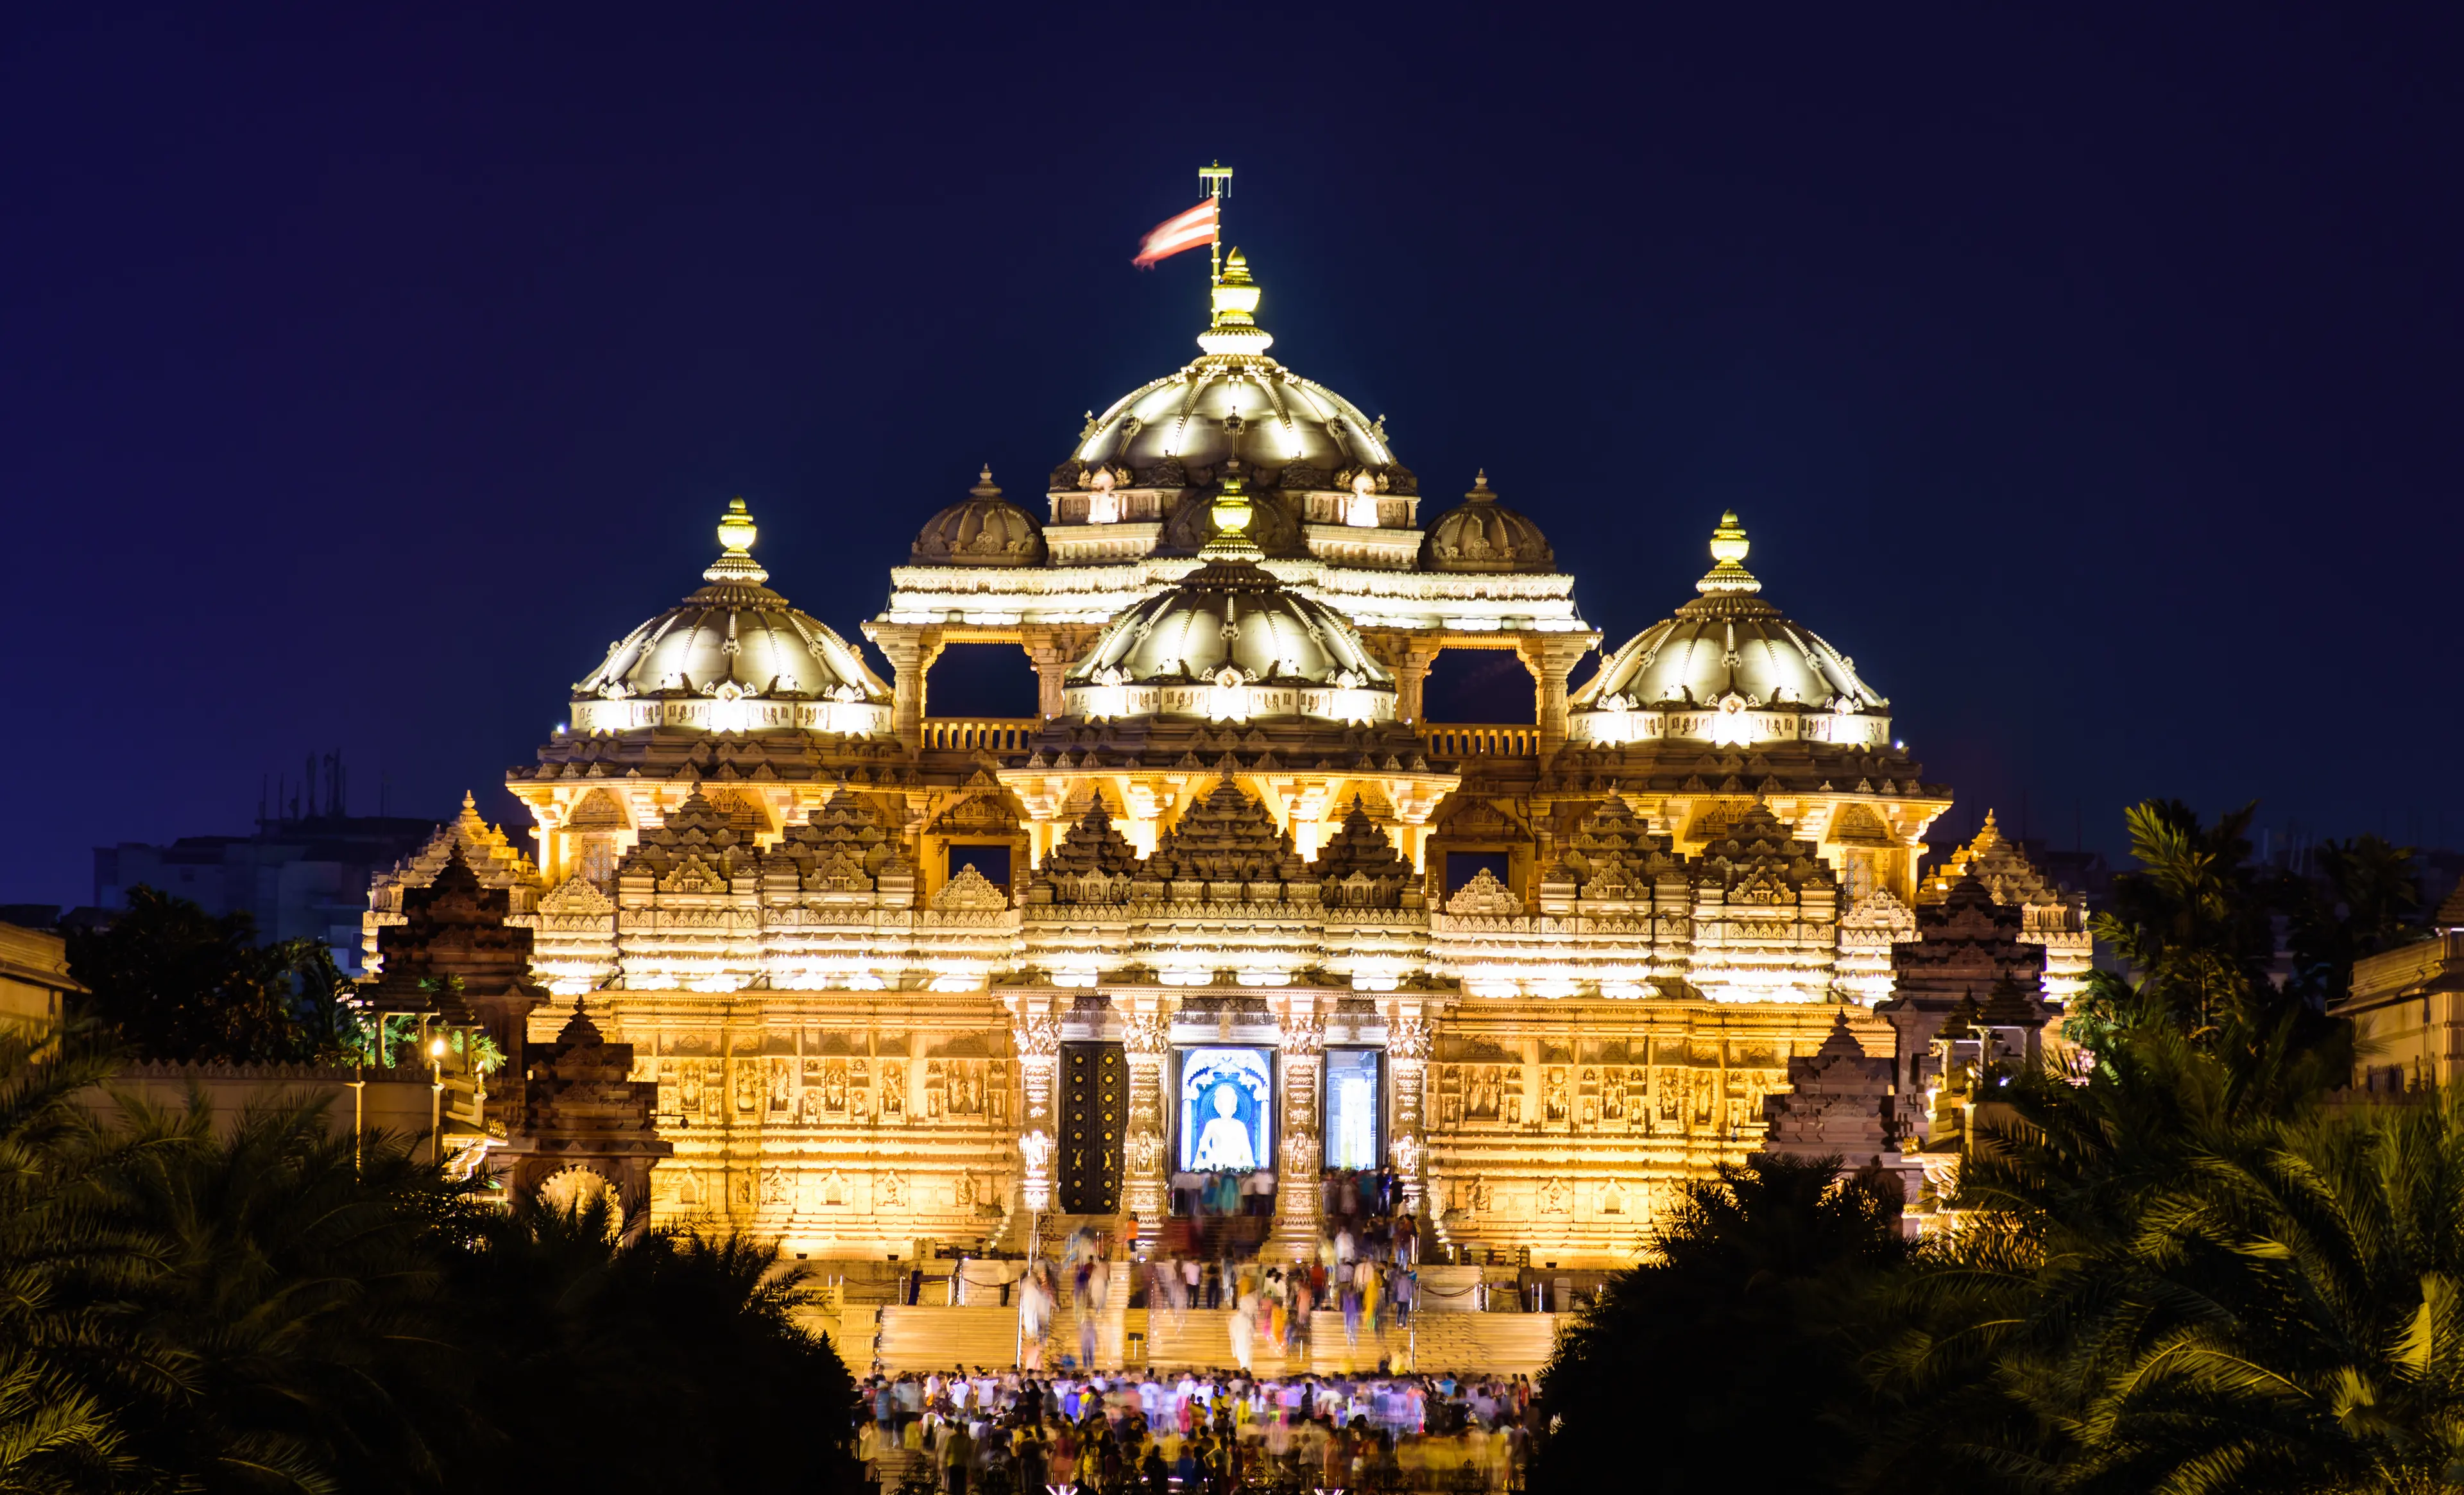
column 1578, row 954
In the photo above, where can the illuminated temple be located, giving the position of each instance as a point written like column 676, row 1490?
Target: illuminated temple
column 1259, row 913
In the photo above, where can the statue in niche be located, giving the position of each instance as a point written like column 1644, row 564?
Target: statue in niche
column 808, row 1103
column 688, row 1087
column 1554, row 1099
column 1590, row 1111
column 774, row 1186
column 834, row 1089
column 1672, row 1088
column 1450, row 1111
column 1514, row 1110
column 964, row 1196
column 893, row 1089
column 748, row 1086
column 1554, row 1196
column 857, row 1105
column 887, row 1192
column 781, row 1098
column 1485, row 1092
column 1613, row 1095
column 1225, row 1142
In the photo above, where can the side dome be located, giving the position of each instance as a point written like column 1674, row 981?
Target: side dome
column 733, row 656
column 1728, row 670
column 1229, row 643
column 1484, row 535
column 983, row 529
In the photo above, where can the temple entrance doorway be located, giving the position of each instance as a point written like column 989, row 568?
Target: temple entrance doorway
column 1095, row 1112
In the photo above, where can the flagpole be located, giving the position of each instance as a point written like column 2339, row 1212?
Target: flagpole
column 1216, row 181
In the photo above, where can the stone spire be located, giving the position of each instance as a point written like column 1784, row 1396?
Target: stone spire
column 1094, row 863
column 1359, row 868
column 1223, row 844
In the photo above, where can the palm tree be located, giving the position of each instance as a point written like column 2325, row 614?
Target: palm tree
column 593, row 1329
column 56, row 1433
column 1731, row 1340
column 2366, row 898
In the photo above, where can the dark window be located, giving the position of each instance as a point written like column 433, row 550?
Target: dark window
column 1478, row 685
column 981, row 680
column 1461, row 866
column 992, row 862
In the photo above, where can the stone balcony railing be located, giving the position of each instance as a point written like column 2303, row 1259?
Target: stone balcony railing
column 1481, row 739
column 980, row 734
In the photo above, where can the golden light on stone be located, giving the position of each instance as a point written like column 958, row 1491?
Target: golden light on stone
column 778, row 877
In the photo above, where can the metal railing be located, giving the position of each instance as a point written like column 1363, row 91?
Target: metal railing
column 980, row 734
column 1481, row 739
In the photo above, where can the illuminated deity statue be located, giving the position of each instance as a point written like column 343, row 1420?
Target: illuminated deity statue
column 1225, row 1144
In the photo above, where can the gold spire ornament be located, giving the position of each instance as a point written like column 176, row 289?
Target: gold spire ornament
column 1728, row 547
column 736, row 533
column 1234, row 331
column 1232, row 513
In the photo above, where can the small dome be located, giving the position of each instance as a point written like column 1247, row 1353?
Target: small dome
column 733, row 657
column 1729, row 669
column 983, row 529
column 1484, row 535
column 1230, row 641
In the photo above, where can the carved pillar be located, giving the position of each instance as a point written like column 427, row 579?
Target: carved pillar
column 1302, row 1045
column 911, row 652
column 1408, row 1033
column 1036, row 1031
column 1146, row 1186
column 1551, row 658
column 1052, row 647
column 1413, row 658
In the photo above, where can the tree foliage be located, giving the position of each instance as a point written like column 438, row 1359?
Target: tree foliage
column 170, row 981
column 1732, row 1339
column 2190, row 1265
column 271, row 1307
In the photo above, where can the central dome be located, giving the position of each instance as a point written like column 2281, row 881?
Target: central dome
column 1232, row 412
column 1228, row 643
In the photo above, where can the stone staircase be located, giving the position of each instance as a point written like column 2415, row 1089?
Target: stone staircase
column 940, row 1338
column 1500, row 1343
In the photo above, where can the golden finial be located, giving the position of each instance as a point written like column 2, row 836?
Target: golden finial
column 1235, row 327
column 1728, row 547
column 736, row 536
column 1479, row 493
column 1232, row 514
column 984, row 488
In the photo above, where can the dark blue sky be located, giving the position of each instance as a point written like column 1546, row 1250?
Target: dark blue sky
column 2092, row 378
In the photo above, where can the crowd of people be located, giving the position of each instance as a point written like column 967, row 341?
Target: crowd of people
column 1012, row 1433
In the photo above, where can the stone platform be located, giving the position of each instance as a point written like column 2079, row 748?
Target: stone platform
column 901, row 1338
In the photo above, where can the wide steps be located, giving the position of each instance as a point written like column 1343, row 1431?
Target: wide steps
column 942, row 1338
column 1495, row 1344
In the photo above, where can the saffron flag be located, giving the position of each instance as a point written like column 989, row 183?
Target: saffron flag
column 1181, row 231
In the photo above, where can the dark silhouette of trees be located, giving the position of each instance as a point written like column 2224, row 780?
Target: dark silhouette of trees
column 271, row 1307
column 1730, row 1345
column 170, row 981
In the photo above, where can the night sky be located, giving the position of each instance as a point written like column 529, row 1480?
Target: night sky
column 2094, row 382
